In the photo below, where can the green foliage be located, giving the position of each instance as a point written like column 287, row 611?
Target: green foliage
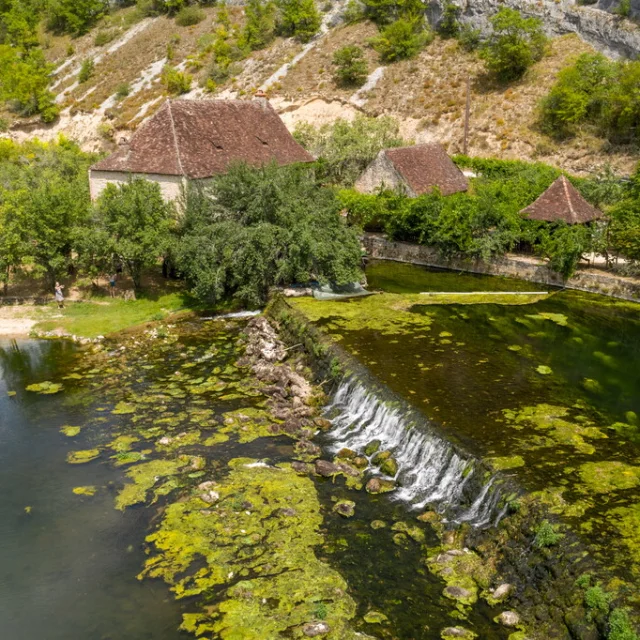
column 74, row 16
column 598, row 92
column 176, row 82
column 383, row 12
column 105, row 36
column 19, row 22
column 449, row 25
column 514, row 44
column 256, row 228
column 583, row 580
column 546, row 535
column 123, row 90
column 563, row 245
column 132, row 225
column 86, row 70
column 469, row 38
column 298, row 18
column 620, row 627
column 402, row 39
column 597, row 599
column 346, row 148
column 260, row 25
column 350, row 66
column 353, row 12
column 24, row 82
column 189, row 16
column 624, row 8
column 44, row 199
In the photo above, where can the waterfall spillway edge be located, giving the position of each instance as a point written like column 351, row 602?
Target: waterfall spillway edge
column 431, row 471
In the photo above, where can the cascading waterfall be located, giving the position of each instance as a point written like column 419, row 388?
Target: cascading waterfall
column 430, row 470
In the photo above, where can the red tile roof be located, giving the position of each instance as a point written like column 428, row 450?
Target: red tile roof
column 201, row 138
column 562, row 201
column 425, row 166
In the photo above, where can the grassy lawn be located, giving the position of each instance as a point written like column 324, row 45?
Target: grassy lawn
column 102, row 316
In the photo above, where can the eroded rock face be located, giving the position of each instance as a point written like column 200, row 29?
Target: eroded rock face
column 594, row 24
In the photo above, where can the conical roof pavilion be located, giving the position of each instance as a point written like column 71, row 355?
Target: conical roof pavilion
column 562, row 202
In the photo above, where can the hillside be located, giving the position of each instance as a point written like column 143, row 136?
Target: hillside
column 426, row 94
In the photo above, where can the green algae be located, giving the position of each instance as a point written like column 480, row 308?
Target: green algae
column 123, row 408
column 604, row 477
column 144, row 477
column 256, row 543
column 375, row 617
column 505, row 462
column 544, row 370
column 123, row 443
column 45, row 388
column 70, row 431
column 80, row 457
column 249, row 423
column 85, row 491
column 558, row 318
column 551, row 420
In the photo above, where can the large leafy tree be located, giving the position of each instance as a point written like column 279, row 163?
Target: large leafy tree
column 259, row 28
column 44, row 198
column 514, row 45
column 346, row 148
column 75, row 16
column 132, row 225
column 299, row 18
column 255, row 228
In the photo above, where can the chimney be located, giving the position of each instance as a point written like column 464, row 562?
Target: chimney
column 261, row 98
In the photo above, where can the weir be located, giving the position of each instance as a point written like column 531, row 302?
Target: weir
column 432, row 472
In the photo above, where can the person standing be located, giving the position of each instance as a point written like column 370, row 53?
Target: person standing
column 59, row 295
column 112, row 285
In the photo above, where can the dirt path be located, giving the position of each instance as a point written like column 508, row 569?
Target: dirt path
column 16, row 321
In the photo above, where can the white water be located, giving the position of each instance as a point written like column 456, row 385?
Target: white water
column 430, row 471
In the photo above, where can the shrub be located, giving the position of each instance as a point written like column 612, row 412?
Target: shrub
column 176, row 82
column 514, row 45
column 86, row 70
column 383, row 12
column 189, row 16
column 546, row 535
column 353, row 12
column 123, row 90
column 402, row 39
column 597, row 600
column 298, row 18
column 449, row 26
column 350, row 66
column 105, row 36
column 469, row 38
column 620, row 626
column 624, row 8
column 259, row 28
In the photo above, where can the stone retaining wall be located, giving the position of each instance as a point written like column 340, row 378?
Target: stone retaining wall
column 523, row 267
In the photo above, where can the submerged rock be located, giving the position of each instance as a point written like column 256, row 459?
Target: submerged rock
column 313, row 629
column 380, row 485
column 327, row 469
column 345, row 508
column 457, row 593
column 457, row 632
column 372, row 447
column 501, row 592
column 375, row 617
column 378, row 524
column 509, row 618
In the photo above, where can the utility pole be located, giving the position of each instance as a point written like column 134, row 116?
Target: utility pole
column 466, row 117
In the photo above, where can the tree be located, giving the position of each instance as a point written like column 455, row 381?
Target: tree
column 449, row 25
column 401, row 39
column 350, row 66
column 383, row 12
column 564, row 245
column 138, row 224
column 256, row 228
column 514, row 45
column 299, row 18
column 259, row 28
column 346, row 148
column 24, row 82
column 75, row 16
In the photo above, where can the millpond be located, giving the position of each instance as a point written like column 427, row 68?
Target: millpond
column 202, row 479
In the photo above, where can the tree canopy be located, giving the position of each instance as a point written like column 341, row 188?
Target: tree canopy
column 255, row 228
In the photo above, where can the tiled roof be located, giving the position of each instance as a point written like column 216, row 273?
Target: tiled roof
column 425, row 166
column 561, row 201
column 201, row 138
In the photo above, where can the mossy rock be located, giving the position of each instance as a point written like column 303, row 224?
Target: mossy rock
column 504, row 463
column 372, row 447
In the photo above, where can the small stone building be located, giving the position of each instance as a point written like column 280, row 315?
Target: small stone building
column 415, row 170
column 562, row 202
column 196, row 140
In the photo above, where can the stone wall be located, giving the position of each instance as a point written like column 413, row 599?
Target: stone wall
column 523, row 267
column 595, row 23
column 170, row 186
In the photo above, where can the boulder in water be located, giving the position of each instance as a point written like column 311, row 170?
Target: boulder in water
column 457, row 593
column 346, row 454
column 380, row 457
column 313, row 629
column 345, row 508
column 380, row 485
column 509, row 618
column 372, row 447
column 501, row 592
column 389, row 467
column 327, row 469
